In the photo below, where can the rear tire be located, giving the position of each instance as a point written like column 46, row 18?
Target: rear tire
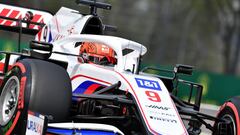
column 229, row 111
column 34, row 85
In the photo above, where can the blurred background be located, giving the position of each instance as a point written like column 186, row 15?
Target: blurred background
column 202, row 33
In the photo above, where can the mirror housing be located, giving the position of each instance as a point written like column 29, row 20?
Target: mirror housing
column 183, row 69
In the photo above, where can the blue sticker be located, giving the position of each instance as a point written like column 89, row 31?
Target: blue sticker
column 148, row 84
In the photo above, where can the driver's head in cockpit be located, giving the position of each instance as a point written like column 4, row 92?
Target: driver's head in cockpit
column 97, row 53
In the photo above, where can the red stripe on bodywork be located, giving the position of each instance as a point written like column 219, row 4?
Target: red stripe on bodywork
column 39, row 35
column 36, row 18
column 13, row 14
column 2, row 66
column 4, row 13
column 76, row 76
column 92, row 89
column 57, row 24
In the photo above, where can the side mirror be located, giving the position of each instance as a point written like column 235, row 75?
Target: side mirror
column 184, row 69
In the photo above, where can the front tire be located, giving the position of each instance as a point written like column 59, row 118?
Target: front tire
column 230, row 111
column 34, row 85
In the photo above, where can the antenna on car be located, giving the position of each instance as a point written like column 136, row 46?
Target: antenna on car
column 94, row 5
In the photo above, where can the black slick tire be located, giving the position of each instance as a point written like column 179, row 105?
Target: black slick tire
column 44, row 88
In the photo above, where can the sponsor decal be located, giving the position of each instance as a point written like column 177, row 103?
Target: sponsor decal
column 20, row 101
column 35, row 124
column 148, row 84
column 58, row 36
column 158, row 107
column 161, row 113
column 21, row 93
column 34, row 127
column 153, row 96
column 163, row 119
column 71, row 30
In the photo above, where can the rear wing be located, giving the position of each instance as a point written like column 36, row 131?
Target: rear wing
column 22, row 20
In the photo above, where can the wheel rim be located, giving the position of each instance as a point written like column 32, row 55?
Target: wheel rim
column 9, row 100
column 233, row 124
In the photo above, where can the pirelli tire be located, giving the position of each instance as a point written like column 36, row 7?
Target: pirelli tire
column 229, row 111
column 33, row 85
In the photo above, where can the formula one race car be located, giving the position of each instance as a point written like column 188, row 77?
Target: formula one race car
column 73, row 79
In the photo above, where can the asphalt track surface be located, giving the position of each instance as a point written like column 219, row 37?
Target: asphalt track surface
column 210, row 110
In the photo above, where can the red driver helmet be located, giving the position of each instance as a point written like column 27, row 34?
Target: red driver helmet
column 97, row 53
